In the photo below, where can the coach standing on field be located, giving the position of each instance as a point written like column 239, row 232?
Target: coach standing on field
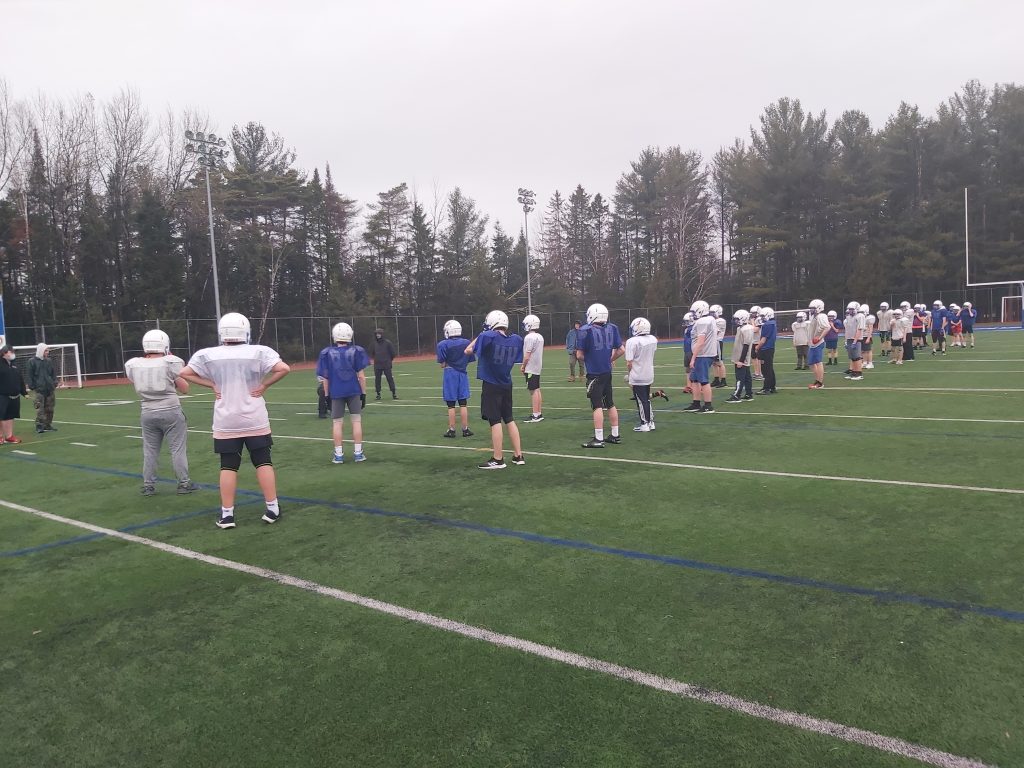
column 43, row 381
column 383, row 357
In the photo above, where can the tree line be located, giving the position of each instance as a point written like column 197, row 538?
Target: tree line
column 103, row 217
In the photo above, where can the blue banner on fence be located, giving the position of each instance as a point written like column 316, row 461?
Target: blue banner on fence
column 3, row 326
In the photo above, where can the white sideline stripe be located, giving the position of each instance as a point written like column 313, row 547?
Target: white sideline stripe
column 134, row 437
column 641, row 462
column 679, row 688
column 84, row 445
column 23, row 453
column 857, row 416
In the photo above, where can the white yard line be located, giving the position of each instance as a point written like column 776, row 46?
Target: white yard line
column 638, row 462
column 84, row 445
column 679, row 688
column 23, row 453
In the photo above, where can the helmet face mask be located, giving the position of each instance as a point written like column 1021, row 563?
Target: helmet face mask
column 715, row 310
column 897, row 313
column 342, row 332
column 884, row 305
column 700, row 309
column 233, row 328
column 597, row 313
column 741, row 317
column 496, row 319
column 817, row 306
column 688, row 319
column 967, row 305
column 832, row 314
column 863, row 309
column 801, row 316
column 767, row 314
column 452, row 329
column 156, row 342
column 640, row 326
column 531, row 323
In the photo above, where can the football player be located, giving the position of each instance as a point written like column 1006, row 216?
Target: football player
column 497, row 351
column 801, row 327
column 705, row 349
column 940, row 324
column 742, row 352
column 718, row 368
column 452, row 357
column 533, row 363
column 818, row 328
column 765, row 348
column 639, row 352
column 599, row 345
column 853, row 332
column 341, row 369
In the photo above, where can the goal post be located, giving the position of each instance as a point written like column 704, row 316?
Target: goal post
column 65, row 359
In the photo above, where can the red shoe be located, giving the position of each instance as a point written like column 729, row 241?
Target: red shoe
column 13, row 440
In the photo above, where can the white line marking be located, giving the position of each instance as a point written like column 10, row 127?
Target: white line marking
column 648, row 680
column 859, row 416
column 84, row 445
column 23, row 453
column 278, row 418
column 641, row 462
column 134, row 437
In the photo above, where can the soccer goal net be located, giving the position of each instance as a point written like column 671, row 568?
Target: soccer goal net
column 1011, row 310
column 66, row 363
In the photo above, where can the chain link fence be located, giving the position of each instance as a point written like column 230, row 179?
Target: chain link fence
column 104, row 347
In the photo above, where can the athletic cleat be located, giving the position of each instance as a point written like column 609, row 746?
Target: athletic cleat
column 49, row 428
column 869, row 366
column 338, row 458
column 758, row 376
column 492, row 463
column 747, row 397
column 394, row 396
column 449, row 433
column 187, row 487
column 226, row 521
column 642, row 428
column 816, row 385
column 651, row 425
column 40, row 430
column 518, row 460
column 613, row 439
column 13, row 440
column 535, row 419
column 271, row 517
column 733, row 399
column 467, row 432
column 692, row 407
column 360, row 456
column 594, row 443
column 148, row 490
column 856, row 377
column 707, row 409
column 378, row 396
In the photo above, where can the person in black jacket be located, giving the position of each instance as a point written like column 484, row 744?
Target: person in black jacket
column 12, row 389
column 383, row 356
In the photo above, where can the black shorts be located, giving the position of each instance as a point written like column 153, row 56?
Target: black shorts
column 235, row 444
column 495, row 403
column 938, row 336
column 918, row 333
column 865, row 346
column 721, row 352
column 599, row 390
column 968, row 328
column 532, row 381
column 687, row 360
column 883, row 336
column 10, row 407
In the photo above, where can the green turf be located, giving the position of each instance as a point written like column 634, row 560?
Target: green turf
column 116, row 654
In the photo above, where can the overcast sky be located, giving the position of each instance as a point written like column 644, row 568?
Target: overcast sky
column 491, row 95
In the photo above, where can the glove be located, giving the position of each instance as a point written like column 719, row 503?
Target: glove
column 362, row 399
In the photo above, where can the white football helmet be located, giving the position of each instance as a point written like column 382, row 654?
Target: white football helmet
column 452, row 329
column 700, row 309
column 832, row 315
column 767, row 314
column 937, row 304
column 755, row 310
column 741, row 316
column 496, row 319
column 967, row 305
column 342, row 332
column 531, row 323
column 801, row 316
column 853, row 308
column 817, row 306
column 156, row 342
column 863, row 309
column 688, row 319
column 897, row 314
column 904, row 305
column 955, row 307
column 597, row 313
column 233, row 327
column 640, row 326
column 715, row 310
column 883, row 306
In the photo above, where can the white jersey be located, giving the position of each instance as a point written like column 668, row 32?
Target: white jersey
column 533, row 345
column 908, row 323
column 899, row 328
column 640, row 352
column 870, row 324
column 236, row 370
column 153, row 378
column 884, row 318
column 721, row 325
column 801, row 333
column 707, row 327
column 817, row 327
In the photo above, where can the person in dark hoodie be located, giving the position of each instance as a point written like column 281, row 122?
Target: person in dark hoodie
column 12, row 389
column 42, row 380
column 383, row 356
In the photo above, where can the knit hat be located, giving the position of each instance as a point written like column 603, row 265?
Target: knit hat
column 40, row 349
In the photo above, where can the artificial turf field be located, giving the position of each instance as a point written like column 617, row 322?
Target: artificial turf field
column 896, row 608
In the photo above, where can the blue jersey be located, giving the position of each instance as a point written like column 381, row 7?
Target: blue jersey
column 938, row 316
column 338, row 366
column 597, row 342
column 835, row 327
column 687, row 341
column 969, row 316
column 496, row 354
column 452, row 352
column 768, row 332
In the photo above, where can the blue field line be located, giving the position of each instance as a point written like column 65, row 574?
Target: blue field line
column 125, row 529
column 538, row 538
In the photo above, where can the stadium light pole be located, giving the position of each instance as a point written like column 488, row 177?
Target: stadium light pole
column 209, row 150
column 528, row 200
